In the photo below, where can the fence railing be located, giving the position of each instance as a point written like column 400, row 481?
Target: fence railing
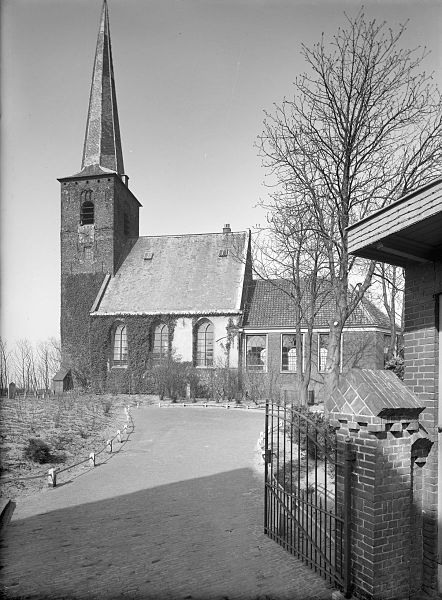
column 227, row 405
column 121, row 436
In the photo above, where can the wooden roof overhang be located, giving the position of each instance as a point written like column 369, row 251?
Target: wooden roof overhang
column 406, row 232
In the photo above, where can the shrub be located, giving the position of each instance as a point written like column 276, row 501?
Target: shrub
column 38, row 451
column 316, row 427
column 106, row 406
column 259, row 387
column 169, row 377
column 396, row 364
column 222, row 383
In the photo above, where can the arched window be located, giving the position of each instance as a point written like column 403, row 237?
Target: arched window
column 160, row 341
column 120, row 345
column 204, row 344
column 87, row 213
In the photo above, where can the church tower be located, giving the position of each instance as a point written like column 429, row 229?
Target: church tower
column 99, row 214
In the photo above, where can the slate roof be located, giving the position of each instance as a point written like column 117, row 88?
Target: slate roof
column 61, row 374
column 268, row 305
column 179, row 274
column 102, row 142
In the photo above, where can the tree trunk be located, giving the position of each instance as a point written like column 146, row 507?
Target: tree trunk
column 333, row 366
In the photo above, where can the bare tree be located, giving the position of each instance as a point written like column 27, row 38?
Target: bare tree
column 4, row 365
column 44, row 356
column 21, row 363
column 25, row 366
column 289, row 251
column 363, row 128
column 54, row 355
column 388, row 281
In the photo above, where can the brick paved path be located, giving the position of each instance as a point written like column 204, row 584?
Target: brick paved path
column 176, row 514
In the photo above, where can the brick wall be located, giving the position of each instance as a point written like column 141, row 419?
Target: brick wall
column 112, row 200
column 422, row 284
column 382, row 516
column 380, row 418
column 363, row 349
column 87, row 254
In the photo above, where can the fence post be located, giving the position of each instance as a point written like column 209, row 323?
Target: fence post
column 384, row 561
column 349, row 457
column 92, row 459
column 266, row 465
column 52, row 477
column 109, row 445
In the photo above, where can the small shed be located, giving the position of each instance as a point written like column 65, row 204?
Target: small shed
column 62, row 381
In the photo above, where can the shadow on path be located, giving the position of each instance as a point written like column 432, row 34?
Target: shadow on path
column 195, row 539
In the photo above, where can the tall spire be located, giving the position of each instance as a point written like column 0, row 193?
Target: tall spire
column 102, row 142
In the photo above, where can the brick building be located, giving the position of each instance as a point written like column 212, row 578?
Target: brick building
column 409, row 234
column 129, row 300
column 269, row 341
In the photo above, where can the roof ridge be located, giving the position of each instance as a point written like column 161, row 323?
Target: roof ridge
column 181, row 235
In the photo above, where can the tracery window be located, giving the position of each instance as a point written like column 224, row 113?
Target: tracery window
column 204, row 344
column 120, row 346
column 160, row 348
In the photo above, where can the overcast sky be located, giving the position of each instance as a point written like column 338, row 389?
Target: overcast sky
column 192, row 77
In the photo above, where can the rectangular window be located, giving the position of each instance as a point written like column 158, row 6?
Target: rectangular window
column 289, row 352
column 322, row 351
column 256, row 353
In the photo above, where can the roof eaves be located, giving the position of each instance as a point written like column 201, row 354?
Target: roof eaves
column 100, row 294
column 240, row 290
column 375, row 214
column 164, row 312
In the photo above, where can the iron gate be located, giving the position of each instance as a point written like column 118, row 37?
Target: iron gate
column 307, row 491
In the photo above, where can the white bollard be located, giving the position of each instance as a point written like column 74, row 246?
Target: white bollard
column 52, row 477
column 92, row 459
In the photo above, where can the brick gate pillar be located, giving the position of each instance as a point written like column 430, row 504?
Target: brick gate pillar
column 381, row 417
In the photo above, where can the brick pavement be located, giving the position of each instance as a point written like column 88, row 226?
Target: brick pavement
column 177, row 514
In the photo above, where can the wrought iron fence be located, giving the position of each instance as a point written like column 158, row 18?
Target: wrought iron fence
column 307, row 491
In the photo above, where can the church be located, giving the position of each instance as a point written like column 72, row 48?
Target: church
column 130, row 301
